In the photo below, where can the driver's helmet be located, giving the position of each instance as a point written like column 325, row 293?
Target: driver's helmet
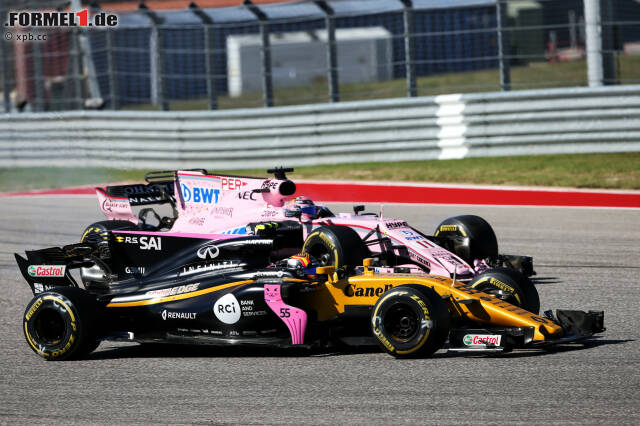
column 302, row 264
column 306, row 206
column 300, row 201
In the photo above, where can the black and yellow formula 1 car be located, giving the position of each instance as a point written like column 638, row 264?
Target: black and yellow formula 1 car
column 229, row 290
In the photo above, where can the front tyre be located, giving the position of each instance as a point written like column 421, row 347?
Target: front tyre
column 482, row 241
column 410, row 321
column 508, row 285
column 336, row 245
column 59, row 324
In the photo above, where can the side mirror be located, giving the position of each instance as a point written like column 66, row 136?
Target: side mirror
column 358, row 209
column 329, row 271
column 367, row 263
column 293, row 213
column 325, row 270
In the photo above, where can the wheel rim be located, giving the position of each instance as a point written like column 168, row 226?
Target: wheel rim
column 402, row 323
column 321, row 254
column 500, row 294
column 49, row 326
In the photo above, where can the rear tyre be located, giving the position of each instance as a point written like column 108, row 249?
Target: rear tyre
column 97, row 232
column 482, row 240
column 510, row 286
column 410, row 321
column 60, row 324
column 338, row 246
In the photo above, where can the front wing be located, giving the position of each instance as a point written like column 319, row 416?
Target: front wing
column 577, row 326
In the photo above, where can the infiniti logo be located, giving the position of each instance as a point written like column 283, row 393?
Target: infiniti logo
column 208, row 252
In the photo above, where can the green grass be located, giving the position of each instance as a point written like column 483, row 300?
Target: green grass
column 618, row 171
column 22, row 179
column 535, row 75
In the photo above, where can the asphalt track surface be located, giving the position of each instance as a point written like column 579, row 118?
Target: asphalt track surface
column 585, row 259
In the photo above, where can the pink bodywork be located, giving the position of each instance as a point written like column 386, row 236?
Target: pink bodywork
column 115, row 208
column 294, row 318
column 213, row 205
column 402, row 237
column 225, row 205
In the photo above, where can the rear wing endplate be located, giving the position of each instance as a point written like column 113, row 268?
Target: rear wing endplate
column 50, row 267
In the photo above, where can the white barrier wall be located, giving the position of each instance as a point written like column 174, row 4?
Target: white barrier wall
column 577, row 120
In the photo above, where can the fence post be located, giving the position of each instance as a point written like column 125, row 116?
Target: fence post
column 267, row 78
column 112, row 69
column 267, row 82
column 593, row 42
column 504, row 46
column 332, row 50
column 5, row 68
column 95, row 98
column 409, row 52
column 608, row 43
column 76, row 70
column 209, row 63
column 158, row 89
column 38, row 75
column 153, row 67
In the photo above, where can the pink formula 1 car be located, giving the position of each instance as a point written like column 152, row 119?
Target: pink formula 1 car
column 207, row 205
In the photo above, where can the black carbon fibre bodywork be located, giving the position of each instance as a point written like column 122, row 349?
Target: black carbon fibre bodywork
column 163, row 288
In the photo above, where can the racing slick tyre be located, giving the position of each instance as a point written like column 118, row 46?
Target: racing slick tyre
column 510, row 286
column 97, row 233
column 60, row 324
column 482, row 240
column 410, row 321
column 335, row 245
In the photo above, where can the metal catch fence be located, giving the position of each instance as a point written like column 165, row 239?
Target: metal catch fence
column 312, row 52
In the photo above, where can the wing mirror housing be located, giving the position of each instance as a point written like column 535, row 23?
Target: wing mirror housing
column 293, row 213
column 367, row 263
column 329, row 271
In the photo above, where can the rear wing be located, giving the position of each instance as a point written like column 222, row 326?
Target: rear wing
column 116, row 201
column 50, row 267
column 158, row 189
column 165, row 186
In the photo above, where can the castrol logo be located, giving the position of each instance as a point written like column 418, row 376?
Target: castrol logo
column 482, row 339
column 54, row 271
